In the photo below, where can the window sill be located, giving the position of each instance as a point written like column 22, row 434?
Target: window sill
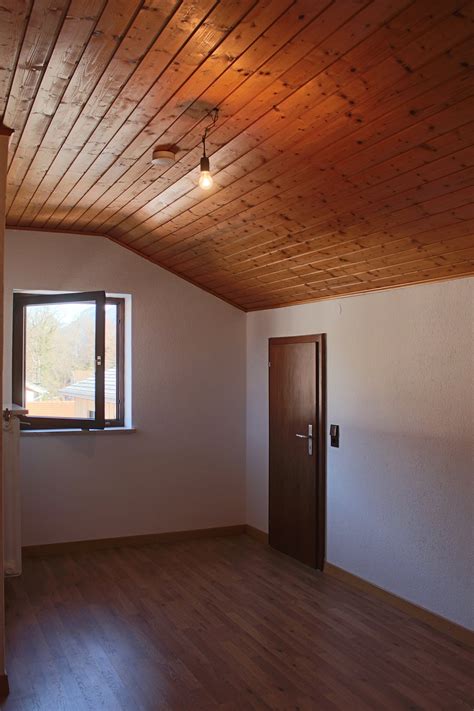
column 107, row 431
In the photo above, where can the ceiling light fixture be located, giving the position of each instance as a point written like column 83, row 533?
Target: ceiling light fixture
column 205, row 178
column 164, row 156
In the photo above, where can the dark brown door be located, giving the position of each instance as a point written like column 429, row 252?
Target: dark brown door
column 297, row 447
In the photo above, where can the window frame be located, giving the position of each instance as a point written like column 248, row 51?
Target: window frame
column 22, row 300
column 119, row 420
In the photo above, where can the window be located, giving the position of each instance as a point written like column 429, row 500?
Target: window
column 68, row 360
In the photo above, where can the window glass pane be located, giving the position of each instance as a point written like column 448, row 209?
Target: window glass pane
column 110, row 362
column 60, row 360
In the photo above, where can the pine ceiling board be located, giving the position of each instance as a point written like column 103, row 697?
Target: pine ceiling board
column 169, row 42
column 371, row 232
column 442, row 226
column 137, row 58
column 437, row 227
column 438, row 255
column 393, row 251
column 185, row 119
column 144, row 24
column 327, row 246
column 311, row 6
column 321, row 144
column 328, row 149
column 342, row 157
column 306, row 253
column 335, row 245
column 250, row 215
column 455, row 148
column 336, row 277
column 406, row 279
column 233, row 163
column 129, row 142
column 263, row 210
column 41, row 31
column 271, row 123
column 400, row 255
column 305, row 294
column 397, row 192
column 317, row 289
column 112, row 24
column 222, row 135
column 269, row 241
column 14, row 15
column 302, row 232
column 464, row 268
column 249, row 68
column 413, row 232
column 449, row 258
column 76, row 30
column 416, row 262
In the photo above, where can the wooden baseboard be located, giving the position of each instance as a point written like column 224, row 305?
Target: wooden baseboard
column 257, row 534
column 4, row 686
column 420, row 613
column 142, row 540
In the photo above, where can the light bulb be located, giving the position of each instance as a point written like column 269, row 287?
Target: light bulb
column 205, row 180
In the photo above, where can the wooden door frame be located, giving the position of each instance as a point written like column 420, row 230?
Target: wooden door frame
column 320, row 460
column 5, row 134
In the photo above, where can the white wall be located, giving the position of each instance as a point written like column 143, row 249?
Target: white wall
column 400, row 385
column 400, row 375
column 184, row 468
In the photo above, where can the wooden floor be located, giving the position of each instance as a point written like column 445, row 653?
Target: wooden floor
column 216, row 624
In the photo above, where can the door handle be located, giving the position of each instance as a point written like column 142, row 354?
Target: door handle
column 309, row 437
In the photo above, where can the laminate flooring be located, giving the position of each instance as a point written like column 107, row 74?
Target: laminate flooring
column 224, row 623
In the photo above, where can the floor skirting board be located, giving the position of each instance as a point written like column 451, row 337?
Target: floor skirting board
column 122, row 541
column 256, row 533
column 419, row 613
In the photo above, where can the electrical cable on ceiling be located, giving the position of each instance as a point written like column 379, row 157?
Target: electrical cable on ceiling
column 205, row 178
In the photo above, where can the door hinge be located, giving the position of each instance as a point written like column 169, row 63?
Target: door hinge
column 269, row 364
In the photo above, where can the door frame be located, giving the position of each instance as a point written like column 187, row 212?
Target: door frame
column 320, row 439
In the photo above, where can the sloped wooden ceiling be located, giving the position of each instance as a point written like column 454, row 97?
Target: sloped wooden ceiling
column 342, row 156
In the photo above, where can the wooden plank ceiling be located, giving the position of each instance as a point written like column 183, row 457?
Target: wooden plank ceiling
column 342, row 156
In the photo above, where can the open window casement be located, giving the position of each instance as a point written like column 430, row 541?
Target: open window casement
column 59, row 359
